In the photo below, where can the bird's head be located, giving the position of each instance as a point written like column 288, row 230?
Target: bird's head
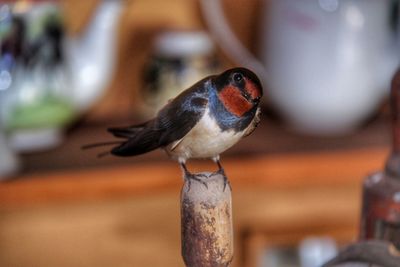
column 239, row 90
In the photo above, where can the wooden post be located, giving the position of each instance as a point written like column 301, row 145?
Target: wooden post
column 206, row 222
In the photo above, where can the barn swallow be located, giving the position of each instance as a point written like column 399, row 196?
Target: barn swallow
column 201, row 122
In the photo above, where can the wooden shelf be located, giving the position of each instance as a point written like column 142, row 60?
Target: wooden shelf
column 277, row 171
column 277, row 199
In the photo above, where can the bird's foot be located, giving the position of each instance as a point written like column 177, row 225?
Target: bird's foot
column 190, row 176
column 221, row 171
column 196, row 177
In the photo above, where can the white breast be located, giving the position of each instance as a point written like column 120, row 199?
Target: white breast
column 205, row 140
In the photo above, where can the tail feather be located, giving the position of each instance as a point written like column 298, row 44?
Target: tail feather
column 141, row 143
column 89, row 146
column 127, row 132
column 138, row 139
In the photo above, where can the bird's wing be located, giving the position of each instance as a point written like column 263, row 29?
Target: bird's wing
column 180, row 116
column 172, row 123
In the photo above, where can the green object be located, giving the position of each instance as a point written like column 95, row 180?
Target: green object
column 49, row 112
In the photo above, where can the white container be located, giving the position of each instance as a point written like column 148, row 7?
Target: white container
column 326, row 64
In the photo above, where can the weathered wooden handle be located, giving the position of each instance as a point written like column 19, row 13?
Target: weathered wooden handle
column 206, row 222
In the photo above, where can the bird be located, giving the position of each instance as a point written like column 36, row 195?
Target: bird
column 201, row 122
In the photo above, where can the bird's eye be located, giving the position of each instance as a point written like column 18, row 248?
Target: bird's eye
column 237, row 77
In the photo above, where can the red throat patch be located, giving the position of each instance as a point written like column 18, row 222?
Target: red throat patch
column 233, row 100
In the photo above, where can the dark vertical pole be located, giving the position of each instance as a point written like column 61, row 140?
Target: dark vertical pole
column 206, row 222
column 393, row 162
column 380, row 223
column 395, row 110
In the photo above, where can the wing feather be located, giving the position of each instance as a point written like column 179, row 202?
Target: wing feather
column 172, row 123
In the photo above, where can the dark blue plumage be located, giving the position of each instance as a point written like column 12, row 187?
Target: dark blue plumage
column 172, row 123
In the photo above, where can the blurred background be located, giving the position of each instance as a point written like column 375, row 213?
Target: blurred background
column 70, row 69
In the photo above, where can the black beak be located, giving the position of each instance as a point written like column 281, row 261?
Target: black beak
column 256, row 100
